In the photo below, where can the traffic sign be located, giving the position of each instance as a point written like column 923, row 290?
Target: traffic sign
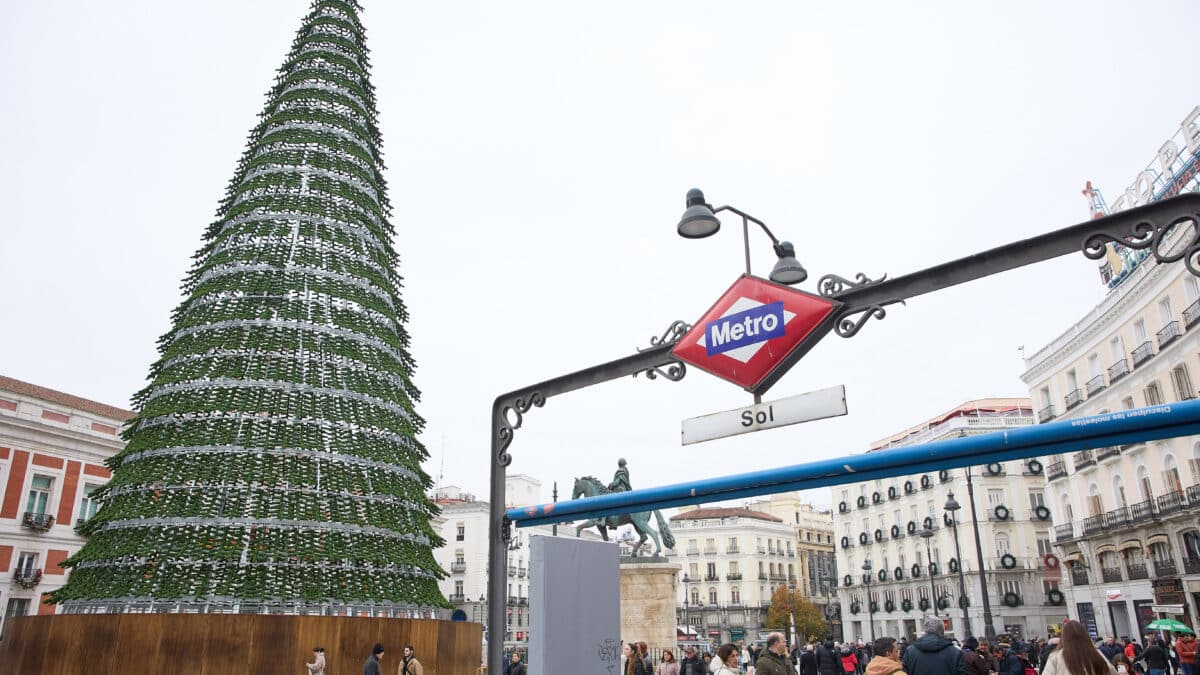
column 756, row 331
column 814, row 405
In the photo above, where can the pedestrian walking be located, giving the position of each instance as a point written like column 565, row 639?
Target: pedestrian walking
column 886, row 658
column 668, row 665
column 933, row 653
column 827, row 660
column 1186, row 648
column 727, row 658
column 410, row 665
column 1155, row 657
column 692, row 664
column 317, row 667
column 515, row 667
column 1077, row 655
column 849, row 660
column 808, row 660
column 371, row 667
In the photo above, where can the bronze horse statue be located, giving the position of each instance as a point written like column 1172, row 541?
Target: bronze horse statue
column 588, row 486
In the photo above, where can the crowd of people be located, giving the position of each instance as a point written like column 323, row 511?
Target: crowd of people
column 1073, row 652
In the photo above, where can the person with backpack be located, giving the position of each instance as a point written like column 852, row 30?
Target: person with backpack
column 886, row 659
column 1076, row 654
column 1156, row 659
column 849, row 660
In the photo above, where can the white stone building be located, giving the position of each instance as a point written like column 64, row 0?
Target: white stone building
column 52, row 451
column 733, row 559
column 1125, row 516
column 880, row 522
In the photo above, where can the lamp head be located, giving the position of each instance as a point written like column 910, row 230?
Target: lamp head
column 787, row 269
column 951, row 504
column 698, row 219
column 867, row 566
column 926, row 533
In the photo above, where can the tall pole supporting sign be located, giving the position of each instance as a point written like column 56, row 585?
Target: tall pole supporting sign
column 852, row 303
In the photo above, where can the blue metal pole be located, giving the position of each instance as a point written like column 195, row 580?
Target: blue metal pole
column 1119, row 428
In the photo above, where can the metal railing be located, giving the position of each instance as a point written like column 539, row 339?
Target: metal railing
column 457, row 597
column 1105, row 453
column 1137, row 571
column 1079, row 576
column 1083, row 458
column 1064, row 532
column 1142, row 511
column 1111, row 574
column 458, row 567
column 1117, row 370
column 1093, row 525
column 1073, row 398
column 1165, row 568
column 1169, row 334
column 27, row 578
column 733, row 576
column 1172, row 502
column 1046, row 414
column 693, row 551
column 1056, row 470
column 1096, row 385
column 1191, row 565
column 1142, row 353
column 39, row 522
column 1192, row 314
column 710, row 550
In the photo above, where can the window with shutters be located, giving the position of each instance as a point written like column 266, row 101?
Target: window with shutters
column 1153, row 394
column 1183, row 383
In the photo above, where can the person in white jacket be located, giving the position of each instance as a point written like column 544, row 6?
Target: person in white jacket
column 317, row 667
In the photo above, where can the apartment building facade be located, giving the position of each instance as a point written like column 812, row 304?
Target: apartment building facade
column 53, row 446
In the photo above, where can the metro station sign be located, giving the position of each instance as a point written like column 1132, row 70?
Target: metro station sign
column 756, row 331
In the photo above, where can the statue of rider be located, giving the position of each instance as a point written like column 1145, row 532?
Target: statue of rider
column 620, row 483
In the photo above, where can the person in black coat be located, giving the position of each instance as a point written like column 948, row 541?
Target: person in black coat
column 933, row 653
column 1155, row 657
column 828, row 662
column 808, row 661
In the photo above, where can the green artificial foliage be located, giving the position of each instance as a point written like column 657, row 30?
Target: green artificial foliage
column 274, row 464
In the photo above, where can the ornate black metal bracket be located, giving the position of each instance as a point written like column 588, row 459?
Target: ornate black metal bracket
column 1150, row 234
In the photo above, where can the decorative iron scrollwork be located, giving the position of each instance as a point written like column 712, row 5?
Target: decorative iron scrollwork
column 852, row 320
column 832, row 284
column 1153, row 235
column 672, row 370
column 674, row 333
column 510, row 418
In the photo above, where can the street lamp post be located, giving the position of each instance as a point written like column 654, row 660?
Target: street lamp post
column 927, row 534
column 870, row 612
column 700, row 221
column 989, row 630
column 953, row 507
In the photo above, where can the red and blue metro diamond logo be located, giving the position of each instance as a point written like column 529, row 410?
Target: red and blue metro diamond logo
column 755, row 332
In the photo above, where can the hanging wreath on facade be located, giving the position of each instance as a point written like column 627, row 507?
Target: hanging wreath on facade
column 878, row 535
column 908, row 487
column 964, row 602
column 895, row 531
column 926, row 481
column 845, row 542
column 995, row 468
column 862, row 502
column 1012, row 599
column 944, row 475
column 933, row 569
column 855, row 608
column 1007, row 561
column 1055, row 597
column 874, row 606
column 928, row 522
column 863, row 538
column 1002, row 512
column 1051, row 561
column 893, row 493
column 898, row 573
column 877, row 498
column 906, row 605
column 882, row 575
column 890, row 605
column 912, row 527
column 924, row 604
column 843, row 507
column 847, row 580
column 953, row 564
column 943, row 602
column 1041, row 512
column 916, row 570
column 1034, row 466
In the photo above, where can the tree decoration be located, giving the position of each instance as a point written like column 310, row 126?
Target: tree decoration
column 273, row 464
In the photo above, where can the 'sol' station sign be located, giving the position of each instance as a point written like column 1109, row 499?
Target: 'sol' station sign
column 756, row 331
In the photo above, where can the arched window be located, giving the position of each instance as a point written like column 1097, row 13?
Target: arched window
column 1147, row 489
column 1094, row 504
column 735, row 596
column 1171, row 478
column 1002, row 546
column 1109, row 562
column 1119, row 491
column 712, row 596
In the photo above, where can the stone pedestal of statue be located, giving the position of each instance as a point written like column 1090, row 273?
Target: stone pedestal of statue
column 648, row 600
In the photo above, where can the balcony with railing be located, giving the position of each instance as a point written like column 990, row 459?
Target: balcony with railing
column 1191, row 565
column 1056, row 470
column 1093, row 525
column 1117, row 370
column 1064, row 532
column 1169, row 334
column 1111, row 575
column 27, row 578
column 38, row 522
column 1142, row 353
column 1073, row 398
column 457, row 598
column 1046, row 414
column 1079, row 575
column 1170, row 503
column 710, row 550
column 1083, row 459
column 1137, row 571
column 733, row 576
column 693, row 551
column 1141, row 512
column 1192, row 314
column 1165, row 568
column 1117, row 518
column 458, row 567
column 1193, row 495
column 731, row 550
column 1106, row 453
column 1096, row 385
column 712, row 577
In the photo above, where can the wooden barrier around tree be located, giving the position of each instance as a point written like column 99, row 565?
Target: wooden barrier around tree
column 223, row 644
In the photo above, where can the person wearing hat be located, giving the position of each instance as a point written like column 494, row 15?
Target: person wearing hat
column 371, row 667
column 691, row 664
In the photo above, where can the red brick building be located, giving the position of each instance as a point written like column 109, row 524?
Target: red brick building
column 52, row 451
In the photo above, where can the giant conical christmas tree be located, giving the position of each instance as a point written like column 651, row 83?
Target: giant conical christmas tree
column 273, row 462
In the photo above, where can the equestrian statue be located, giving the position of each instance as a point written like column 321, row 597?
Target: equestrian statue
column 589, row 486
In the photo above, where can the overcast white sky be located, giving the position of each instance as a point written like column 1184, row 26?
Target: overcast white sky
column 538, row 155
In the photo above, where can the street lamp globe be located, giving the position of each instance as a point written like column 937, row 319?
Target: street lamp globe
column 951, row 504
column 698, row 220
column 787, row 270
